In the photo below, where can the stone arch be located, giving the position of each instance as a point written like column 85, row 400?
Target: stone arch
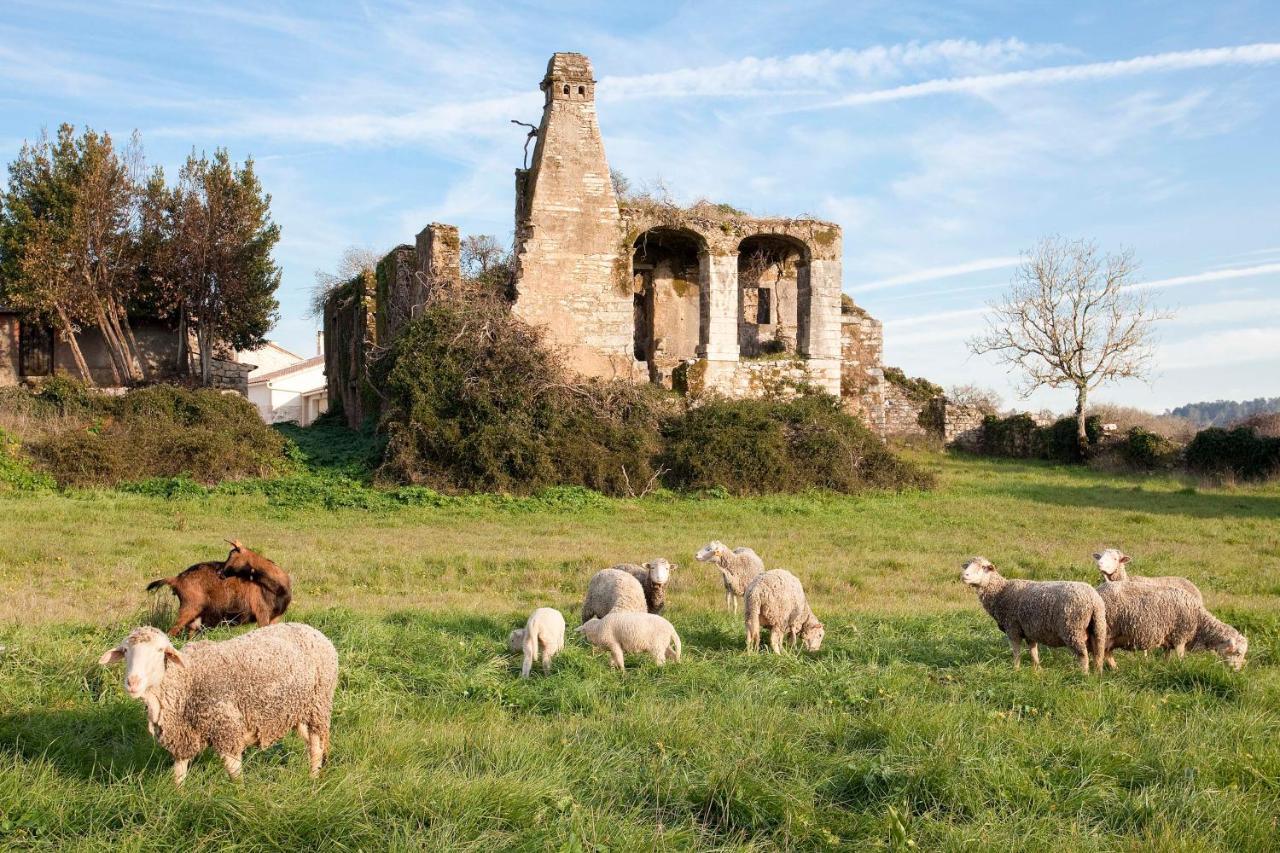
column 669, row 301
column 774, row 298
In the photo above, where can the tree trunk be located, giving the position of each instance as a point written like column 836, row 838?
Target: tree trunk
column 1082, row 435
column 204, row 338
column 125, row 332
column 184, row 344
column 69, row 335
column 113, row 351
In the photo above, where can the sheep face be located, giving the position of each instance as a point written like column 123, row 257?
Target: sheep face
column 711, row 551
column 659, row 571
column 515, row 640
column 589, row 629
column 812, row 635
column 1233, row 651
column 1110, row 562
column 145, row 652
column 977, row 571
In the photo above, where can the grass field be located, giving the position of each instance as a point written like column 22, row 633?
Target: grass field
column 908, row 726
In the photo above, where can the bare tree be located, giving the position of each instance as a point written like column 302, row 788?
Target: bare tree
column 1072, row 320
column 485, row 263
column 985, row 400
column 355, row 260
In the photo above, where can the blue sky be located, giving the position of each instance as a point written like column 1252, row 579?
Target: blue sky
column 945, row 137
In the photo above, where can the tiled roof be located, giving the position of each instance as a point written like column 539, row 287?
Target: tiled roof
column 314, row 361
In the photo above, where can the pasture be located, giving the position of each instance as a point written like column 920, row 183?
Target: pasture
column 909, row 727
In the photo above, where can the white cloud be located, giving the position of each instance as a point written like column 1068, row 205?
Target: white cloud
column 985, row 84
column 1211, row 275
column 932, row 273
column 1232, row 346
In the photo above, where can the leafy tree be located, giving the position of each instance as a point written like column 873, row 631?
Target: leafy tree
column 68, row 241
column 213, row 258
column 1070, row 320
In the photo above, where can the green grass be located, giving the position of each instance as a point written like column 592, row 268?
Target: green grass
column 909, row 725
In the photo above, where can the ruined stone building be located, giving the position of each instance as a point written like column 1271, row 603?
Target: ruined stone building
column 699, row 299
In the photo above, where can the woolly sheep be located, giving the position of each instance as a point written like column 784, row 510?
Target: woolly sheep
column 653, row 576
column 251, row 689
column 1112, row 563
column 545, row 628
column 738, row 568
column 622, row 588
column 776, row 600
column 1056, row 613
column 620, row 632
column 1146, row 616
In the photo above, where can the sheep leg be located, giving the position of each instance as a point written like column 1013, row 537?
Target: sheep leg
column 1015, row 645
column 180, row 766
column 530, row 652
column 659, row 653
column 1034, row 650
column 1111, row 661
column 616, row 658
column 231, row 762
column 546, row 660
column 315, row 751
column 1180, row 651
column 775, row 640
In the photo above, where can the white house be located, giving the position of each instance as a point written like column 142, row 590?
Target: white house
column 285, row 386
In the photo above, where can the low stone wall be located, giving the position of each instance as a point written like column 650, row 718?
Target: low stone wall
column 955, row 424
column 862, row 383
column 228, row 375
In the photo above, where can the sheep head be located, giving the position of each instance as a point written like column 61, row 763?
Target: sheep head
column 812, row 633
column 977, row 571
column 1233, row 650
column 146, row 652
column 515, row 640
column 1111, row 563
column 659, row 571
column 715, row 550
column 589, row 629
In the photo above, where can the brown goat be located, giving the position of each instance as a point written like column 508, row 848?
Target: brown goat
column 246, row 587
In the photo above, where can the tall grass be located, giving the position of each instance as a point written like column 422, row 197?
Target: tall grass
column 910, row 725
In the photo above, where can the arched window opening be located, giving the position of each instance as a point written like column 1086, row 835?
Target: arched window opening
column 772, row 283
column 566, row 88
column 582, row 90
column 667, row 300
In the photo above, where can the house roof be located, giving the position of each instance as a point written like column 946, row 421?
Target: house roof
column 314, row 361
column 270, row 345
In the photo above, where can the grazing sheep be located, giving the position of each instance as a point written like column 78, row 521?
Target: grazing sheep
column 246, row 587
column 621, row 632
column 1146, row 616
column 738, row 568
column 653, row 576
column 1111, row 563
column 1056, row 613
column 544, row 629
column 776, row 600
column 613, row 589
column 251, row 689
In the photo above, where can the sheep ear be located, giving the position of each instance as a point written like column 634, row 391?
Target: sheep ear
column 171, row 654
column 1097, row 556
column 114, row 656
column 1124, row 558
column 989, row 567
column 1231, row 646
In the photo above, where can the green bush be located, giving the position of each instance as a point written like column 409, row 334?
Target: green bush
column 1059, row 442
column 161, row 431
column 1018, row 437
column 1240, row 451
column 763, row 446
column 15, row 471
column 1147, row 450
column 473, row 401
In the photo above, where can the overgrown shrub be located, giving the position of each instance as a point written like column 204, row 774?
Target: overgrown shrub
column 1147, row 450
column 762, row 446
column 1018, row 437
column 1240, row 451
column 160, row 431
column 473, row 401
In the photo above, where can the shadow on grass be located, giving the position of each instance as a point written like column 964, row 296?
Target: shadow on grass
column 1194, row 504
column 110, row 742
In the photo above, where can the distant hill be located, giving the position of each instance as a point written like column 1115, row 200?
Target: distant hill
column 1225, row 412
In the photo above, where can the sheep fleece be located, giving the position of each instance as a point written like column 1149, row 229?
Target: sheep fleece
column 743, row 567
column 1147, row 616
column 1053, row 613
column 613, row 589
column 252, row 689
column 779, row 599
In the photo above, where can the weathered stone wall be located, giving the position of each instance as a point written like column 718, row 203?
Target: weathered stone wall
column 8, row 349
column 938, row 417
column 226, row 375
column 962, row 425
column 399, row 291
column 350, row 333
column 569, row 278
column 439, row 253
column 862, row 383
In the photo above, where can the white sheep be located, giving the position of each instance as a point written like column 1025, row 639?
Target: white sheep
column 252, row 689
column 1112, row 564
column 1055, row 613
column 621, row 588
column 1148, row 616
column 545, row 629
column 621, row 632
column 738, row 568
column 776, row 600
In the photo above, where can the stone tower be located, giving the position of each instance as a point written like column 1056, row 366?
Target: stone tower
column 569, row 279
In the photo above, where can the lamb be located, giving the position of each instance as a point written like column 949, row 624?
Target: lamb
column 1055, row 613
column 621, row 632
column 776, row 600
column 627, row 587
column 545, row 628
column 1147, row 616
column 246, row 587
column 738, row 568
column 251, row 689
column 1111, row 563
